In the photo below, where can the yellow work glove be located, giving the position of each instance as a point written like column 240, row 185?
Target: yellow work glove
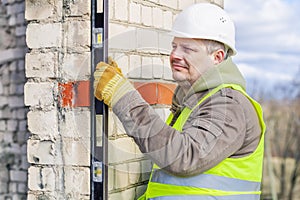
column 110, row 84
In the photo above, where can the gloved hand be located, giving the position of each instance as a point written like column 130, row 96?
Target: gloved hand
column 110, row 84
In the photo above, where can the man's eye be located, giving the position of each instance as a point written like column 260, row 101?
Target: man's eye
column 188, row 49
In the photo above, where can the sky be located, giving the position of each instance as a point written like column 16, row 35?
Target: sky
column 267, row 40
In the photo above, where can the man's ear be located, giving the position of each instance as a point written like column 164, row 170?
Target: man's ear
column 218, row 56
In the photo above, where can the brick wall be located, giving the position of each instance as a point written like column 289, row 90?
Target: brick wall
column 139, row 42
column 57, row 91
column 13, row 126
column 58, row 64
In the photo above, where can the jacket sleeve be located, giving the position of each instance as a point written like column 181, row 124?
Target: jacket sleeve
column 214, row 131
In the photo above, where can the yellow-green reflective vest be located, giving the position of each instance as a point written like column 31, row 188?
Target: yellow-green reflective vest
column 231, row 179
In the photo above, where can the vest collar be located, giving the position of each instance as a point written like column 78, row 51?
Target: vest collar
column 224, row 73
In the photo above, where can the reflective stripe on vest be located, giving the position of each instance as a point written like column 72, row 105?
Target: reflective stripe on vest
column 231, row 179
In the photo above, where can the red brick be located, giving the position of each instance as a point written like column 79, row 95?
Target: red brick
column 165, row 93
column 82, row 92
column 156, row 92
column 148, row 91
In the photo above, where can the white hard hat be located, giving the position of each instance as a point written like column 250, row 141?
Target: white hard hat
column 205, row 21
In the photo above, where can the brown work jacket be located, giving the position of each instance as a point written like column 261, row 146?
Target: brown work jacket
column 224, row 125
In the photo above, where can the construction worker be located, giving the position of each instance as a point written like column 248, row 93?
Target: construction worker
column 211, row 146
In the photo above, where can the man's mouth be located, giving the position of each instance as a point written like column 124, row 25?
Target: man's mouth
column 178, row 66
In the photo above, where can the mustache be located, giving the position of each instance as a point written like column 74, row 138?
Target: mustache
column 175, row 62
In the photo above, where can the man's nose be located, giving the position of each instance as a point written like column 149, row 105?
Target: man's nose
column 176, row 54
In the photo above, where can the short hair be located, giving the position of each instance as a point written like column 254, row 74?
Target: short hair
column 212, row 46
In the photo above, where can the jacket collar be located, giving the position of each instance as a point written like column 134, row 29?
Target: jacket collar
column 224, row 73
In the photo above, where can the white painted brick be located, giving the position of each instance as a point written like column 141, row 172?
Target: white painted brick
column 34, row 181
column 4, row 174
column 21, row 113
column 99, row 129
column 115, row 196
column 5, row 113
column 134, row 13
column 157, row 17
column 76, row 124
column 217, row 2
column 76, row 66
column 77, row 180
column 3, row 101
column 39, row 94
column 3, row 126
column 80, row 7
column 165, row 43
column 147, row 15
column 185, row 3
column 47, row 128
column 8, row 137
column 203, row 1
column 21, row 21
column 116, row 125
column 140, row 190
column 24, row 163
column 126, row 194
column 12, row 125
column 77, row 34
column 41, row 65
column 13, row 9
column 22, row 188
column 121, row 176
column 36, row 10
column 121, row 10
column 18, row 176
column 20, row 30
column 33, row 195
column 44, row 35
column 123, row 62
column 167, row 69
column 111, row 178
column 147, row 40
column 15, row 149
column 122, row 37
column 41, row 179
column 169, row 3
column 147, row 72
column 1, row 88
column 42, row 152
column 168, row 20
column 111, row 10
column 134, row 172
column 76, row 152
column 135, row 66
column 48, row 178
column 15, row 102
column 146, row 166
column 12, row 187
column 158, row 67
column 121, row 149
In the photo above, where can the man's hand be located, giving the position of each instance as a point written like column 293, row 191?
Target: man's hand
column 110, row 83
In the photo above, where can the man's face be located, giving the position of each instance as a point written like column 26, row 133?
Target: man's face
column 189, row 59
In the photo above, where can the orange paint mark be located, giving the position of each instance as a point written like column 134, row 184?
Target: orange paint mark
column 74, row 94
column 66, row 94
